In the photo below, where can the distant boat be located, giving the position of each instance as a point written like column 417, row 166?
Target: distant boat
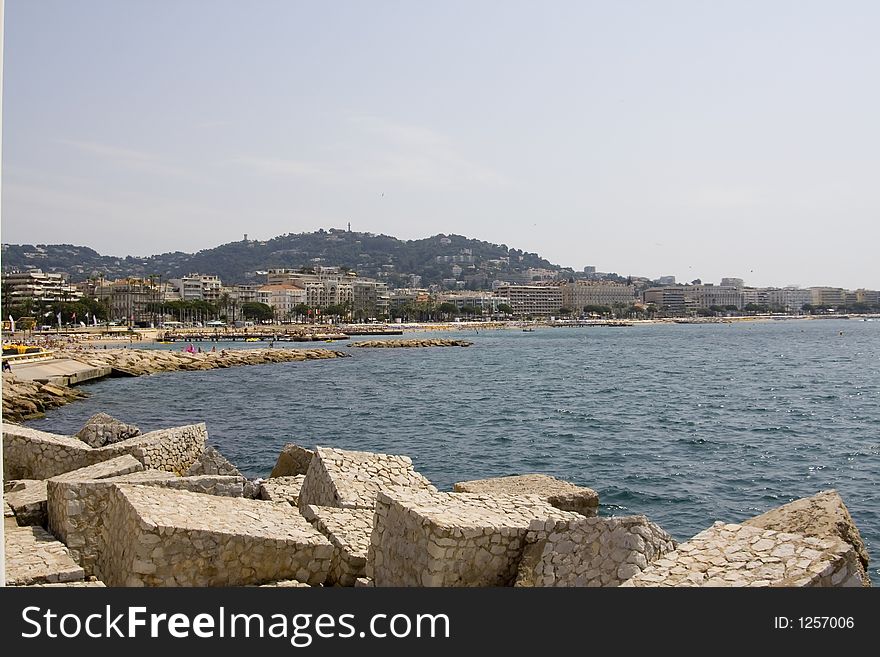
column 528, row 330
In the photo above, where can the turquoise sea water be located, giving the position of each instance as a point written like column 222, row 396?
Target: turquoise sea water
column 687, row 424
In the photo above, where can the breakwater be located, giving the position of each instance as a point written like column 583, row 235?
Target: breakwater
column 138, row 362
column 27, row 400
column 166, row 509
column 393, row 344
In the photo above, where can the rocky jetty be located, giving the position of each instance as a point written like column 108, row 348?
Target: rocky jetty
column 28, row 400
column 165, row 509
column 138, row 362
column 391, row 344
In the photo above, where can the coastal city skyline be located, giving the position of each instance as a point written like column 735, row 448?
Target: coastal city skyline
column 38, row 255
column 699, row 142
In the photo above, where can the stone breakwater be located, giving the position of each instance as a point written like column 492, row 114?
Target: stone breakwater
column 28, row 400
column 391, row 344
column 138, row 362
column 166, row 509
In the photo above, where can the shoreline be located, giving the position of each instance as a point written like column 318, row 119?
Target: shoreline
column 101, row 337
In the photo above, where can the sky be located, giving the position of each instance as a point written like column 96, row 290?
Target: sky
column 697, row 139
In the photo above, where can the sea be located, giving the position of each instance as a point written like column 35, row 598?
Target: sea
column 684, row 423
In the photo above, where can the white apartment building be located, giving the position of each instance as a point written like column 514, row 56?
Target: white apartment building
column 789, row 299
column 596, row 293
column 282, row 298
column 537, row 300
column 198, row 287
column 486, row 302
column 37, row 285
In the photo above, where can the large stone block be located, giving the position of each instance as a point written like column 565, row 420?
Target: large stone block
column 348, row 530
column 77, row 512
column 735, row 555
column 351, row 480
column 422, row 538
column 561, row 494
column 292, row 460
column 77, row 508
column 102, row 429
column 163, row 537
column 282, row 489
column 29, row 502
column 27, row 499
column 821, row 515
column 591, row 551
column 33, row 556
column 212, row 462
column 32, row 454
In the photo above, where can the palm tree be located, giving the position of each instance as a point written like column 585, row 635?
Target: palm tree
column 223, row 302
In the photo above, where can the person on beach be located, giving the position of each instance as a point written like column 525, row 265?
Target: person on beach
column 6, row 366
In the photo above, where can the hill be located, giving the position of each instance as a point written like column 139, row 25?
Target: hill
column 475, row 262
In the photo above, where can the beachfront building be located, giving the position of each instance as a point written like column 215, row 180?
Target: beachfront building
column 131, row 300
column 827, row 297
column 788, row 299
column 485, row 302
column 333, row 286
column 532, row 300
column 198, row 287
column 707, row 295
column 407, row 297
column 283, row 298
column 670, row 299
column 596, row 293
column 758, row 296
column 870, row 297
column 369, row 299
column 39, row 286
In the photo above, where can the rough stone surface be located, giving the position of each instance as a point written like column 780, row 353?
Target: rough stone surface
column 392, row 344
column 286, row 584
column 138, row 362
column 33, row 556
column 590, row 551
column 351, row 480
column 32, row 454
column 24, row 400
column 85, row 584
column 561, row 494
column 161, row 537
column 28, row 502
column 77, row 509
column 348, row 530
column 422, row 538
column 102, row 429
column 821, row 515
column 292, row 460
column 212, row 462
column 282, row 489
column 735, row 555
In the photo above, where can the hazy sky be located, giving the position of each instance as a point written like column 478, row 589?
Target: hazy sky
column 698, row 139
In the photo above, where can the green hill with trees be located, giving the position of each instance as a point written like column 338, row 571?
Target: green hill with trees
column 474, row 262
